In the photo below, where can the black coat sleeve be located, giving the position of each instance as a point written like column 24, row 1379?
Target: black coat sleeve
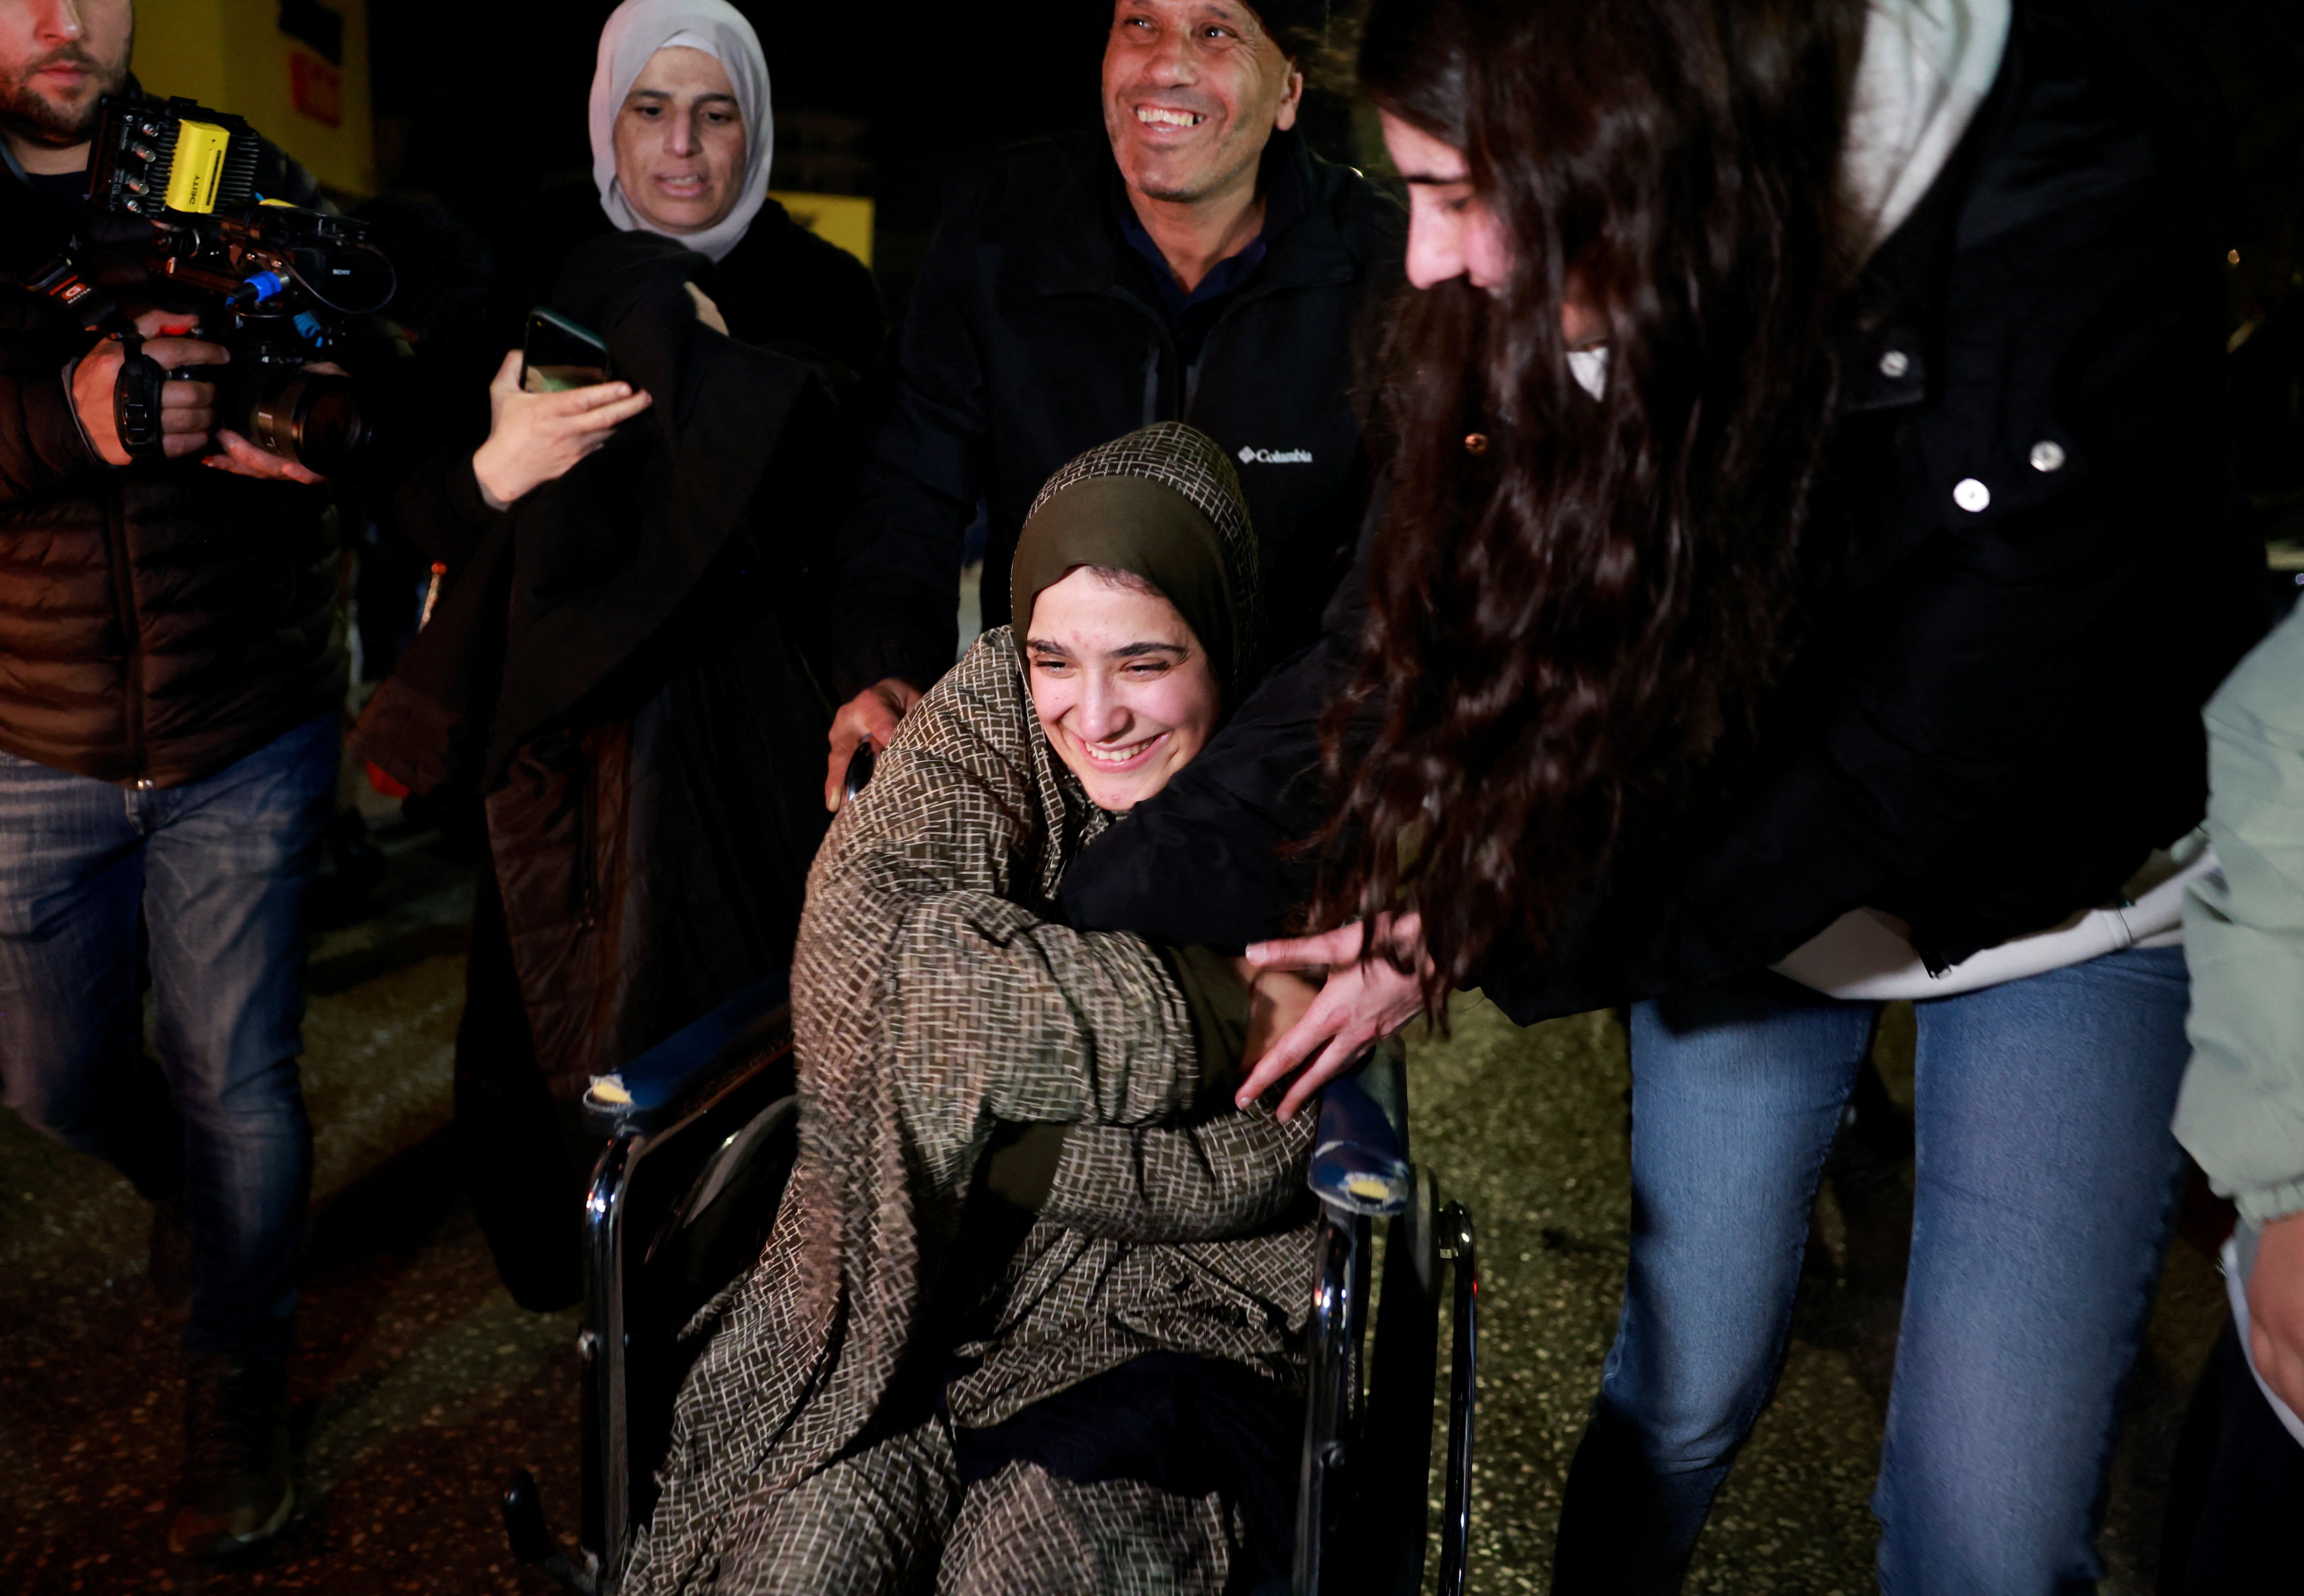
column 1215, row 857
column 1209, row 859
column 846, row 319
column 439, row 506
column 898, row 553
column 785, row 283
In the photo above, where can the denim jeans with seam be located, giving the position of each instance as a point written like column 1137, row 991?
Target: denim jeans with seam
column 214, row 873
column 2045, row 1183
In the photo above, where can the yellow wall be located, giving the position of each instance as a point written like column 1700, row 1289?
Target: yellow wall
column 231, row 56
column 842, row 219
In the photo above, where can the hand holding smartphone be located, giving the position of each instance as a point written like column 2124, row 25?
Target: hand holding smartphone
column 559, row 355
column 554, row 401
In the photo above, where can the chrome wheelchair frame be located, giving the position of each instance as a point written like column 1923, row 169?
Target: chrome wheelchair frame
column 701, row 1131
column 1368, row 1442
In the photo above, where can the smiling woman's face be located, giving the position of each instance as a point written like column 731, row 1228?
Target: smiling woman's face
column 681, row 142
column 1123, row 690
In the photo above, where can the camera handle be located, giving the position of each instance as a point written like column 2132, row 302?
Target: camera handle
column 136, row 401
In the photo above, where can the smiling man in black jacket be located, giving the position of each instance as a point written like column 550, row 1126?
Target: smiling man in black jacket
column 1197, row 263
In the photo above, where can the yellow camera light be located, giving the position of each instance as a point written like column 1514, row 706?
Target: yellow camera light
column 197, row 168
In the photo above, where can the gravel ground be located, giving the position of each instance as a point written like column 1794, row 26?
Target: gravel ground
column 1527, row 1129
column 419, row 1386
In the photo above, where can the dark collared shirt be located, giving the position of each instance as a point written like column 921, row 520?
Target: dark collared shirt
column 1191, row 315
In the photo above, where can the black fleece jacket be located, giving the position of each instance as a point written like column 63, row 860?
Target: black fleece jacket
column 1036, row 332
column 1995, row 716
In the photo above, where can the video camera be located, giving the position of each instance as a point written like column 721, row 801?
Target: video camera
column 174, row 221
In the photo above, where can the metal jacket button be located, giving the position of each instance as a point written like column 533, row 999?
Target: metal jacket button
column 1895, row 363
column 1970, row 495
column 2047, row 455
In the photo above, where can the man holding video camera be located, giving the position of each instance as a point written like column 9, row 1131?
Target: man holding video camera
column 170, row 687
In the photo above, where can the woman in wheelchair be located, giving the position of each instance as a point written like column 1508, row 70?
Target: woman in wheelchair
column 1030, row 1317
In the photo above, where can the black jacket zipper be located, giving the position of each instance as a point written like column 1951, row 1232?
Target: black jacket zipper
column 1167, row 352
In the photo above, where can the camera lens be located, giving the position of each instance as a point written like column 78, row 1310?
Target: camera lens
column 312, row 418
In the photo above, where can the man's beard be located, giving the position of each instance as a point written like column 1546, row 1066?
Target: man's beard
column 27, row 114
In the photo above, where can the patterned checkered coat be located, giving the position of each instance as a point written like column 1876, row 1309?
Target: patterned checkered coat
column 936, row 997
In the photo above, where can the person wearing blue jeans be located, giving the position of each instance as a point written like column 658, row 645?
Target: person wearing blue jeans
column 171, row 677
column 2047, row 1178
column 216, row 871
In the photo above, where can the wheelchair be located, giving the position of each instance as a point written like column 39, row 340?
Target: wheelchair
column 702, row 1134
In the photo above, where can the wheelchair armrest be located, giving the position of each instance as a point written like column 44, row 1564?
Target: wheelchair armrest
column 656, row 1090
column 1359, row 1153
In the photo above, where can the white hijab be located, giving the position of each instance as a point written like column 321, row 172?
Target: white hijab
column 636, row 30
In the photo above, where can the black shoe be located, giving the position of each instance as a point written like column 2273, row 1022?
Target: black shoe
column 168, row 1263
column 236, row 1493
column 350, row 866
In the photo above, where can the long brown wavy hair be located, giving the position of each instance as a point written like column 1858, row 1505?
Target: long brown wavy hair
column 1576, row 613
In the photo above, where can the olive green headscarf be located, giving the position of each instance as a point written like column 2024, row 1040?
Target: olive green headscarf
column 1162, row 503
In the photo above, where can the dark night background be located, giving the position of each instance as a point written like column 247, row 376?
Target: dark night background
column 479, row 106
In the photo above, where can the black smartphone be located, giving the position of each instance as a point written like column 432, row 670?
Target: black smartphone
column 560, row 356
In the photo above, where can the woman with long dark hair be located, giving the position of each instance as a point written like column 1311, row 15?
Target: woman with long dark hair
column 1802, row 535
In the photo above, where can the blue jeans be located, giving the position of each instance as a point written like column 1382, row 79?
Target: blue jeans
column 2047, row 1179
column 216, row 873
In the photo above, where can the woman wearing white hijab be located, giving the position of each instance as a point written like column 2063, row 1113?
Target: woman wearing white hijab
column 682, row 130
column 682, row 136
column 687, row 631
column 682, row 140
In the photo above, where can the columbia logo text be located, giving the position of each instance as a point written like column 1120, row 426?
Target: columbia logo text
column 1253, row 456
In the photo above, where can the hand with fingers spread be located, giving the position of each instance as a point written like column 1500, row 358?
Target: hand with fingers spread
column 870, row 717
column 534, row 438
column 1364, row 1000
column 187, row 409
column 242, row 458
